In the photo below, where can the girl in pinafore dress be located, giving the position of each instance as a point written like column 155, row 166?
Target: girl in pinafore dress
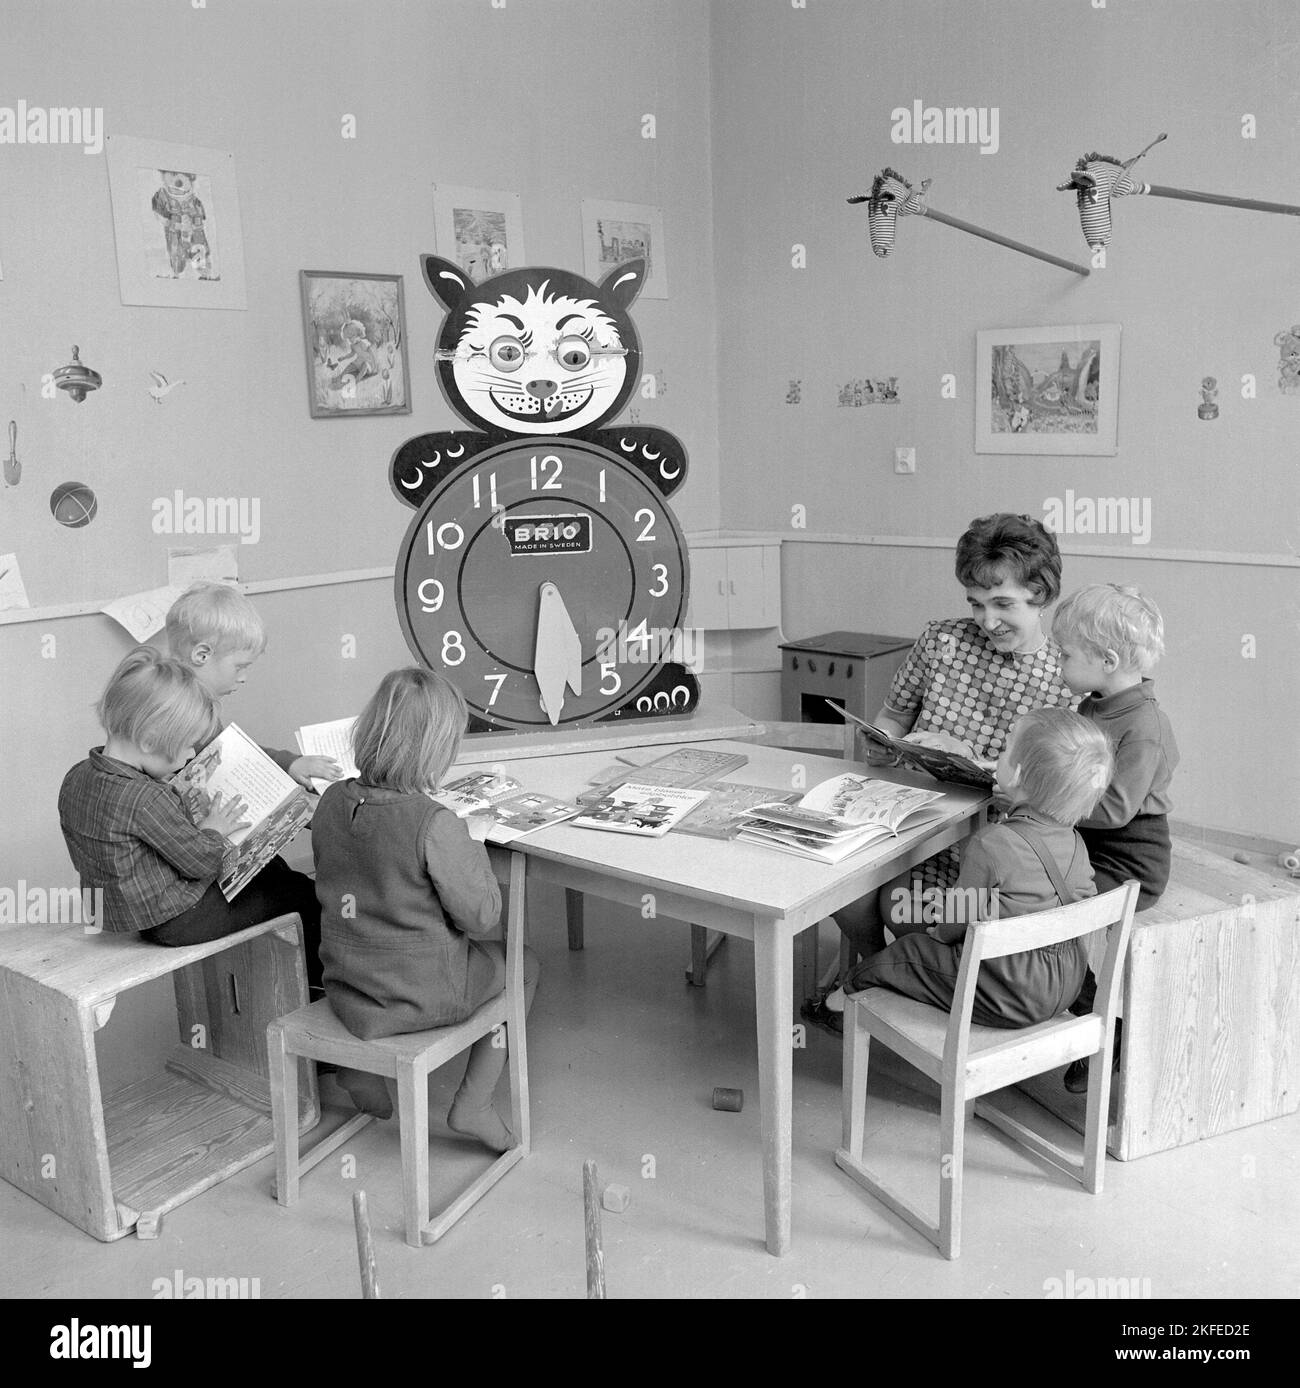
column 970, row 678
column 1051, row 772
column 407, row 897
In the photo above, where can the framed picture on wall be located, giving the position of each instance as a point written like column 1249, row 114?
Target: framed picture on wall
column 613, row 232
column 354, row 326
column 176, row 224
column 1047, row 390
column 481, row 229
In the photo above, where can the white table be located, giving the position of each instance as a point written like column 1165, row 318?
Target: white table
column 740, row 889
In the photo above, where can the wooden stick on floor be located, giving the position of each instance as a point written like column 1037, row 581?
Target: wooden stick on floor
column 365, row 1247
column 591, row 1224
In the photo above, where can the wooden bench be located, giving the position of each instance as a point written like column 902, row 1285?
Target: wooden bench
column 1211, row 1007
column 118, row 1162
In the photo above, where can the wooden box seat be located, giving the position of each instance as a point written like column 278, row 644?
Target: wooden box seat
column 114, row 1163
column 1211, row 1006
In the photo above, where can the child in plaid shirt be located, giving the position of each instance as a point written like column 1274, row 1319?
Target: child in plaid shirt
column 128, row 834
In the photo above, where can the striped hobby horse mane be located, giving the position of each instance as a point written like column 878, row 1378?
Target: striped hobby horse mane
column 1095, row 180
column 891, row 197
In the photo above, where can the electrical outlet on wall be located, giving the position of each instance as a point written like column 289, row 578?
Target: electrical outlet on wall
column 905, row 460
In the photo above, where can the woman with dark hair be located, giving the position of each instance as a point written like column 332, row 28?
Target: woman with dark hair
column 968, row 678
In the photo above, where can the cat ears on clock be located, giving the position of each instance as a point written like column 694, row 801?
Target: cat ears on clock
column 451, row 286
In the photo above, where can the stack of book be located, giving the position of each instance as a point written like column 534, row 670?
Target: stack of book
column 840, row 817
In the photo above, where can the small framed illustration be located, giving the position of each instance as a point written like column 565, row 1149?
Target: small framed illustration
column 481, row 229
column 354, row 326
column 613, row 232
column 176, row 224
column 1047, row 390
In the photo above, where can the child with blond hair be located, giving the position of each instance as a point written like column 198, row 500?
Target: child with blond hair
column 408, row 896
column 1050, row 772
column 128, row 834
column 1111, row 638
column 215, row 630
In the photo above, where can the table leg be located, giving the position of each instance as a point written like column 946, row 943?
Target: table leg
column 573, row 916
column 773, row 981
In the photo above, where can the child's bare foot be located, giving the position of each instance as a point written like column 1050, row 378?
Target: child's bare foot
column 481, row 1123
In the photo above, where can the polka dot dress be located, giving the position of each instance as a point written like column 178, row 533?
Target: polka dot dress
column 956, row 681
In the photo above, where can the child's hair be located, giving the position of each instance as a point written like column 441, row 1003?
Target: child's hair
column 157, row 704
column 409, row 733
column 1003, row 548
column 1065, row 762
column 1106, row 617
column 216, row 614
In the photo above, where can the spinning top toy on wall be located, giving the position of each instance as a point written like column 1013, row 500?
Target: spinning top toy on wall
column 1097, row 178
column 77, row 379
column 892, row 196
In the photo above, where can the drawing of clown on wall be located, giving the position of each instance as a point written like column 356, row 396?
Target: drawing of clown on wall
column 185, row 225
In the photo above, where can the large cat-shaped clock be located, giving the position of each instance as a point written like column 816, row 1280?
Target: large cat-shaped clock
column 544, row 573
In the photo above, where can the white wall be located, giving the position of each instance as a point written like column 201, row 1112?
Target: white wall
column 802, row 120
column 545, row 99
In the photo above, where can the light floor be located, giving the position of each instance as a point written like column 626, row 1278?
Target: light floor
column 624, row 1058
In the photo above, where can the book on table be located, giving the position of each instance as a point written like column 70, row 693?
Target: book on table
column 231, row 765
column 840, row 817
column 511, row 810
column 721, row 816
column 684, row 767
column 942, row 756
column 636, row 808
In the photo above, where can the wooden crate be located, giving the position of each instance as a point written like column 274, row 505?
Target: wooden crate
column 1211, row 1010
column 112, row 1163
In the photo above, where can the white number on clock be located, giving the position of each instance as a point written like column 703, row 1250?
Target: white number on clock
column 661, row 571
column 646, row 532
column 453, row 644
column 427, row 603
column 449, row 535
column 608, row 672
column 551, row 483
column 492, row 492
column 496, row 688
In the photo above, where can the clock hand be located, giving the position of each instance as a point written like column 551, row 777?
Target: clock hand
column 557, row 655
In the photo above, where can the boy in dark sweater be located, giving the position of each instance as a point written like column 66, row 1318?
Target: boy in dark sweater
column 1110, row 638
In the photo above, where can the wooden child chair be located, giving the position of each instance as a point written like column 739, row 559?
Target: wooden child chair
column 315, row 1033
column 969, row 1061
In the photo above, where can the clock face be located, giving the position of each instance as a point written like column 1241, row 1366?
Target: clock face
column 543, row 563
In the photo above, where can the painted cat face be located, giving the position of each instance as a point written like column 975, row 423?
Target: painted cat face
column 538, row 350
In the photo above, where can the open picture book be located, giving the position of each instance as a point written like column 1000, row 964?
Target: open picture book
column 938, row 757
column 232, row 764
column 511, row 810
column 840, row 817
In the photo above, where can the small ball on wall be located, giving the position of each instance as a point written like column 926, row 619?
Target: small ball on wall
column 73, row 504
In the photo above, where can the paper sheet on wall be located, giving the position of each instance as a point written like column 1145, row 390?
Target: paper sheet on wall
column 12, row 591
column 143, row 614
column 186, row 566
